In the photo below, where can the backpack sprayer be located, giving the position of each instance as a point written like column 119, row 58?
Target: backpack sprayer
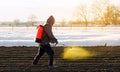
column 39, row 34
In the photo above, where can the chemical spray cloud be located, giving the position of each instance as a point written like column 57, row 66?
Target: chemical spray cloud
column 76, row 53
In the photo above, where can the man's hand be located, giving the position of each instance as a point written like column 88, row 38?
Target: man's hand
column 54, row 41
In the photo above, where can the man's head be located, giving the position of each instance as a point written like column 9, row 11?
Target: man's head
column 51, row 20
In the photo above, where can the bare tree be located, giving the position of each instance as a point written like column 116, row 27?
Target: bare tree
column 32, row 19
column 112, row 14
column 16, row 22
column 63, row 22
column 81, row 14
column 98, row 9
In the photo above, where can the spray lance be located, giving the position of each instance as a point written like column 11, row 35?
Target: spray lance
column 67, row 46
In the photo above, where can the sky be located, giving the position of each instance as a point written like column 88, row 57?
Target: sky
column 42, row 9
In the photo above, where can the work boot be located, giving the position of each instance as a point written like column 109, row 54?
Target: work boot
column 52, row 67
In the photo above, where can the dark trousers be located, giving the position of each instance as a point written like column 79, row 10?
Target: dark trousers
column 44, row 48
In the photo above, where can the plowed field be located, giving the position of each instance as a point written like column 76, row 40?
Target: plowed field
column 19, row 59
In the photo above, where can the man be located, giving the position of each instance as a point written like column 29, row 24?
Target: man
column 44, row 46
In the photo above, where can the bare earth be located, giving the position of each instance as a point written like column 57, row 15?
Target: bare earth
column 19, row 59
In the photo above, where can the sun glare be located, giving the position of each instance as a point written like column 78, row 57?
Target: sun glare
column 22, row 9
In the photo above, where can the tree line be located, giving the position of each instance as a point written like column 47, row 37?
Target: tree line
column 100, row 13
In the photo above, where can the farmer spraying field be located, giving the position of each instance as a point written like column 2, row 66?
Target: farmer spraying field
column 44, row 43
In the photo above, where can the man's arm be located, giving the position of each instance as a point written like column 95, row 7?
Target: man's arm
column 48, row 30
